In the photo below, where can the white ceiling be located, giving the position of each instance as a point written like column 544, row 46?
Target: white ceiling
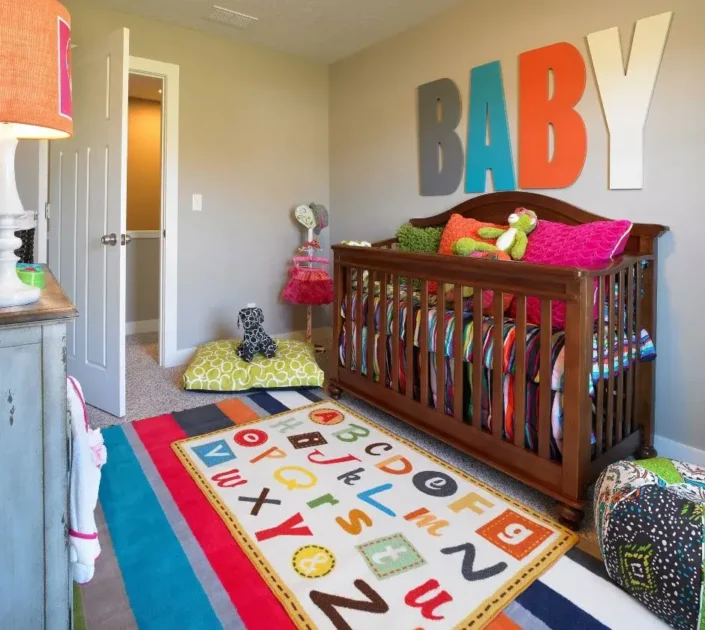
column 325, row 30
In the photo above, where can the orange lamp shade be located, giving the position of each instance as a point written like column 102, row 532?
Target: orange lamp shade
column 35, row 68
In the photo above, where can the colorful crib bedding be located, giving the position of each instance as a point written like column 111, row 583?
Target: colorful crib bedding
column 613, row 353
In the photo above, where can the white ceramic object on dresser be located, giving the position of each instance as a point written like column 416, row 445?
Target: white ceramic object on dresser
column 13, row 292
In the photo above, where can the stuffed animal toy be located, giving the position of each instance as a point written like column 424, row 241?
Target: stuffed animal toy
column 255, row 340
column 512, row 241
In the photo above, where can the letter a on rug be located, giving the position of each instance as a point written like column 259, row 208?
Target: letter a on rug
column 347, row 538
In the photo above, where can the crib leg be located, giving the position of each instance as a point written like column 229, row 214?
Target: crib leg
column 645, row 452
column 334, row 391
column 569, row 516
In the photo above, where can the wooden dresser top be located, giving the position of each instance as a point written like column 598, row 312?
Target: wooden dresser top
column 53, row 304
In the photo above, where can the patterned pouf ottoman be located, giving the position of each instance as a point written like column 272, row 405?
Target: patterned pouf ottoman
column 649, row 519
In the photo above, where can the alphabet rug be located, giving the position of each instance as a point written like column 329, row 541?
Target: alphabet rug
column 351, row 526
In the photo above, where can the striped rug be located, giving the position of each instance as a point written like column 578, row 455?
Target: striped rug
column 168, row 560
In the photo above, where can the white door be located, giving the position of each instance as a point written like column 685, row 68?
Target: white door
column 88, row 183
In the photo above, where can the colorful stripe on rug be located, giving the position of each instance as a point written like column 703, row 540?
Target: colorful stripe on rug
column 169, row 561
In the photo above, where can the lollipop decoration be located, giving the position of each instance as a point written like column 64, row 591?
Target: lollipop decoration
column 309, row 284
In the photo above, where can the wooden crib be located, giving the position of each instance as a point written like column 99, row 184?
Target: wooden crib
column 616, row 421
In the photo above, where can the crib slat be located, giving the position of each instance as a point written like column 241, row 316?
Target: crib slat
column 337, row 302
column 358, row 322
column 630, row 350
column 409, row 338
column 348, row 318
column 620, row 372
column 477, row 358
column 440, row 349
column 600, row 385
column 637, row 328
column 395, row 334
column 423, row 345
column 520, row 373
column 498, row 366
column 545, row 381
column 458, row 354
column 609, row 429
column 382, row 341
column 371, row 326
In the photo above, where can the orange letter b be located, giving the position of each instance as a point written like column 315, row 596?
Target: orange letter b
column 539, row 110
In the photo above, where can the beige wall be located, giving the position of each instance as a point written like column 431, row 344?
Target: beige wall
column 254, row 142
column 144, row 164
column 374, row 181
column 142, row 275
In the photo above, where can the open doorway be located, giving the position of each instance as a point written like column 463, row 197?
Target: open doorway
column 152, row 204
column 144, row 203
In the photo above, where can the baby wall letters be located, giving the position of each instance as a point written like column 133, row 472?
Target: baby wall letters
column 543, row 162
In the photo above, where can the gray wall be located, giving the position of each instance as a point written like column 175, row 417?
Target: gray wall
column 254, row 142
column 142, row 279
column 374, row 182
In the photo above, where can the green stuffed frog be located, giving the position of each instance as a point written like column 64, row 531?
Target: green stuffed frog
column 513, row 241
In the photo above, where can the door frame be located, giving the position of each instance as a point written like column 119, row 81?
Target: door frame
column 168, row 234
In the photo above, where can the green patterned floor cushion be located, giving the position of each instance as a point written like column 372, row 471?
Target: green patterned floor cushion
column 216, row 367
column 649, row 519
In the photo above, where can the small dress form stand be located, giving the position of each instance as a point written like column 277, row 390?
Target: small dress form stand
column 309, row 283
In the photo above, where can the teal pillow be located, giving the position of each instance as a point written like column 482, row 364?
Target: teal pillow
column 419, row 240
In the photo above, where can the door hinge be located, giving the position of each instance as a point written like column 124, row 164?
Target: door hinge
column 47, row 210
column 164, row 233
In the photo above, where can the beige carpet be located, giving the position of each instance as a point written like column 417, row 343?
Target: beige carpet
column 152, row 391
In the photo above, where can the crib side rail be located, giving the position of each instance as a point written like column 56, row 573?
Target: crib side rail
column 556, row 283
column 377, row 361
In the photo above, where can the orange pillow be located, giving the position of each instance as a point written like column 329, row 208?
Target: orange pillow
column 459, row 227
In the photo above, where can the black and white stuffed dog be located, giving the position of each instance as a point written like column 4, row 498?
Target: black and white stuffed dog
column 255, row 340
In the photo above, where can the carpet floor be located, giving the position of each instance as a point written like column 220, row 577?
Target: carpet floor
column 152, row 390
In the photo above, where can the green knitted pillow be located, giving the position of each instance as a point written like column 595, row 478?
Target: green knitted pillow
column 419, row 240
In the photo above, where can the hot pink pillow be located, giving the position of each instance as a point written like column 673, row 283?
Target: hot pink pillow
column 589, row 246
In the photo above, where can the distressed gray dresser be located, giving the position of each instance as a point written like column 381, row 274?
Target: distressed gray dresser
column 35, row 584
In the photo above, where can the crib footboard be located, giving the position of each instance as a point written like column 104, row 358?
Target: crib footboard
column 461, row 382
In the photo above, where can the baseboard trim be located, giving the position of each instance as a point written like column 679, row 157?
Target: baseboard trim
column 322, row 335
column 144, row 326
column 181, row 357
column 678, row 450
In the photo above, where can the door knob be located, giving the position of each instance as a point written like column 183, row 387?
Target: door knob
column 109, row 239
column 125, row 239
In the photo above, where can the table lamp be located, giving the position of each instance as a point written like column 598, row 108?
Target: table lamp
column 35, row 102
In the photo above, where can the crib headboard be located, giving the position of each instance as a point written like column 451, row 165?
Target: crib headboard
column 496, row 207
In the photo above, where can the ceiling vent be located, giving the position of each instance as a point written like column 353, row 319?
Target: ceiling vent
column 228, row 17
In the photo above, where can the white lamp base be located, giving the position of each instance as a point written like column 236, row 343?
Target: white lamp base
column 13, row 292
column 18, row 295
